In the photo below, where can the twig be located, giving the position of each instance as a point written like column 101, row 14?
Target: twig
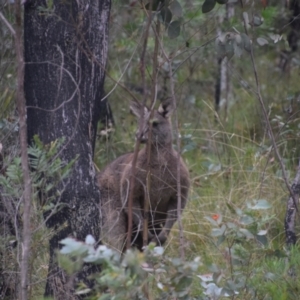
column 21, row 105
column 178, row 183
column 4, row 20
column 131, row 188
column 153, row 100
column 269, row 127
column 137, row 143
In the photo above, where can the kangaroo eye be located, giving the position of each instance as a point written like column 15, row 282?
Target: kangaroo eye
column 154, row 123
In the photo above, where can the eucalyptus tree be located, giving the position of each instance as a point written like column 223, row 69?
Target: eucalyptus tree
column 65, row 45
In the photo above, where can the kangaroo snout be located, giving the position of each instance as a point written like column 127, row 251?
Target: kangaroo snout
column 142, row 137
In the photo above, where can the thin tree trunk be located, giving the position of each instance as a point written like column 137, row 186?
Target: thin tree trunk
column 26, row 197
column 291, row 211
column 65, row 53
column 223, row 83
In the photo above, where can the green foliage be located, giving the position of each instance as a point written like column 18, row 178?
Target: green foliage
column 132, row 275
column 174, row 29
column 250, row 269
column 166, row 12
column 46, row 172
column 209, row 5
column 48, row 9
column 231, row 43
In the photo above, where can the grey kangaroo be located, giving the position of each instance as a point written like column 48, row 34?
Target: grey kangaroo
column 114, row 183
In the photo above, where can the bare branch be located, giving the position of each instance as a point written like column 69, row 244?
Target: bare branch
column 137, row 144
column 269, row 127
column 8, row 25
column 153, row 100
column 131, row 189
column 179, row 200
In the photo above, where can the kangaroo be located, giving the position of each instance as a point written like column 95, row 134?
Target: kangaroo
column 114, row 183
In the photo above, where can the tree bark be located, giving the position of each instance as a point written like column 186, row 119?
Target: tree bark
column 292, row 211
column 65, row 54
column 26, row 196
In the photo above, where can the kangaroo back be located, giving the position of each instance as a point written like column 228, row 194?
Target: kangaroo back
column 162, row 191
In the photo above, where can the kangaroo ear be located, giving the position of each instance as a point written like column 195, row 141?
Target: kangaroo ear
column 137, row 109
column 166, row 109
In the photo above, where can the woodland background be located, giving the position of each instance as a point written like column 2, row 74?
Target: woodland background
column 236, row 80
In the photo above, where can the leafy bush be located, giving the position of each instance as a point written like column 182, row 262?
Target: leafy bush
column 249, row 268
column 131, row 276
column 46, row 172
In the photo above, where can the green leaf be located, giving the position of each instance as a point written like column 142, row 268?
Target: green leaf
column 259, row 204
column 90, row 240
column 221, row 239
column 66, row 263
column 246, row 220
column 174, row 29
column 262, row 41
column 158, row 251
column 246, row 42
column 214, row 268
column 225, row 45
column 155, row 5
column 262, row 232
column 83, row 292
column 257, row 20
column 215, row 167
column 219, row 218
column 184, row 283
column 238, row 50
column 72, row 246
column 218, row 231
column 231, row 225
column 176, row 8
column 38, row 142
column 105, row 297
column 275, row 37
column 262, row 239
column 246, row 233
column 166, row 15
column 208, row 5
column 271, row 276
column 48, row 187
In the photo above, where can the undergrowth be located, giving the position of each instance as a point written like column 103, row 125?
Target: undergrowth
column 234, row 217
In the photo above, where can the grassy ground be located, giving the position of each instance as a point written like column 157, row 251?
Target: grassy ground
column 231, row 165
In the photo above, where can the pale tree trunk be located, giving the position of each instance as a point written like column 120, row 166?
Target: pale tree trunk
column 65, row 55
column 223, row 89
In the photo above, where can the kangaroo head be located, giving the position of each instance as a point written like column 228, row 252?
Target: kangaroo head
column 161, row 125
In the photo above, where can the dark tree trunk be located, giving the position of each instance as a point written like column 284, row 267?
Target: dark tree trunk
column 65, row 55
column 292, row 211
column 9, row 281
column 294, row 35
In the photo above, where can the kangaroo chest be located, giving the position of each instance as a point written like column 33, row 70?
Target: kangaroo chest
column 162, row 186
